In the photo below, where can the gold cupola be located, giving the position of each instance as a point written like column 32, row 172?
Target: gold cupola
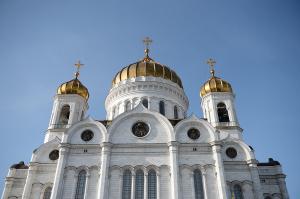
column 74, row 86
column 214, row 84
column 147, row 67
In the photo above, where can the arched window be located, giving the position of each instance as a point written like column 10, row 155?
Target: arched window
column 237, row 192
column 80, row 187
column 127, row 106
column 139, row 184
column 162, row 107
column 126, row 190
column 64, row 115
column 222, row 112
column 145, row 103
column 175, row 112
column 47, row 193
column 152, row 184
column 198, row 184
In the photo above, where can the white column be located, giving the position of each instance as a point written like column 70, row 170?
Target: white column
column 255, row 179
column 7, row 187
column 157, row 186
column 36, row 191
column 282, row 187
column 247, row 190
column 103, row 179
column 173, row 150
column 58, row 180
column 145, row 185
column 132, row 185
column 69, row 183
column 191, row 175
column 221, row 182
column 28, row 184
column 87, row 185
column 204, row 182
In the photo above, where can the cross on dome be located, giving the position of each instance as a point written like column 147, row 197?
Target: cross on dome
column 78, row 65
column 147, row 41
column 211, row 63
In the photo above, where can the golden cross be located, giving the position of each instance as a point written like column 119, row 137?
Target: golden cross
column 78, row 65
column 211, row 63
column 147, row 41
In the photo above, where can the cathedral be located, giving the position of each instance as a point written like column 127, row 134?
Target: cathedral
column 147, row 147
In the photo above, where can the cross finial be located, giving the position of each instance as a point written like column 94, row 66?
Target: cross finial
column 147, row 41
column 78, row 65
column 211, row 63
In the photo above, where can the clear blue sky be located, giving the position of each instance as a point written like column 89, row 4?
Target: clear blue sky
column 255, row 43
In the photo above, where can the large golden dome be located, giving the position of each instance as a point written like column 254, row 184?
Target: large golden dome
column 147, row 67
column 214, row 84
column 73, row 87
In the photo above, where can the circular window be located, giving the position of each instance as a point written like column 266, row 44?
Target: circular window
column 140, row 129
column 87, row 135
column 231, row 152
column 193, row 133
column 54, row 155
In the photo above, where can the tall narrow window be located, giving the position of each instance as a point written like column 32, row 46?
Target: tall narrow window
column 47, row 193
column 127, row 106
column 126, row 190
column 237, row 192
column 175, row 112
column 81, row 180
column 64, row 115
column 222, row 112
column 152, row 184
column 139, row 184
column 198, row 184
column 145, row 103
column 162, row 107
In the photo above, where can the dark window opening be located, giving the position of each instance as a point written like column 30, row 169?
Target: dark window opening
column 162, row 107
column 222, row 113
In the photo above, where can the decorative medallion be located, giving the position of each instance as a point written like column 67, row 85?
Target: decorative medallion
column 193, row 133
column 54, row 155
column 140, row 129
column 87, row 135
column 231, row 152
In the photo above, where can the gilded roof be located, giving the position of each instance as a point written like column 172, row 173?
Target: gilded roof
column 147, row 67
column 215, row 84
column 73, row 87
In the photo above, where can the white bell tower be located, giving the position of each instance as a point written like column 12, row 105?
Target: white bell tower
column 69, row 106
column 218, row 101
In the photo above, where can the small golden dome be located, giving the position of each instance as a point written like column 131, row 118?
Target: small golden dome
column 73, row 87
column 147, row 67
column 215, row 84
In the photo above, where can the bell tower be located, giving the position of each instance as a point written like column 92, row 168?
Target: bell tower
column 69, row 106
column 218, row 101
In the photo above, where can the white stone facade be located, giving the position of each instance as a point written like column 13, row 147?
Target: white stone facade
column 166, row 150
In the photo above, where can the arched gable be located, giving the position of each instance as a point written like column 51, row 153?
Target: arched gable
column 73, row 134
column 207, row 132
column 244, row 152
column 41, row 154
column 160, row 129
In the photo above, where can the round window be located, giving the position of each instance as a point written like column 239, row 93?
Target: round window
column 231, row 152
column 54, row 155
column 193, row 133
column 87, row 135
column 140, row 129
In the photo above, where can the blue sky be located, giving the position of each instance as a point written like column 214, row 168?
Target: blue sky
column 255, row 43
